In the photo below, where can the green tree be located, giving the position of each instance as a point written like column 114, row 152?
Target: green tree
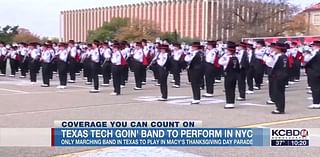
column 108, row 30
column 7, row 33
column 171, row 37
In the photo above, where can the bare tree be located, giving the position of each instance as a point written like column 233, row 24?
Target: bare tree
column 257, row 18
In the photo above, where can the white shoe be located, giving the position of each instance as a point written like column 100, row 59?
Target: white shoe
column 269, row 102
column 291, row 83
column 296, row 80
column 105, row 85
column 240, row 99
column 71, row 81
column 100, row 75
column 207, row 95
column 84, row 78
column 143, row 83
column 2, row 74
column 157, row 84
column 217, row 81
column 309, row 92
column 22, row 76
column 262, row 84
column 195, row 102
column 229, row 106
column 172, row 81
column 308, row 87
column 310, row 98
column 286, row 86
column 122, row 86
column 44, row 85
column 256, row 88
column 175, row 86
column 314, row 106
column 32, row 83
column 54, row 72
column 153, row 80
column 162, row 99
column 113, row 94
column 63, row 87
column 94, row 91
column 11, row 75
column 249, row 92
column 88, row 83
column 137, row 88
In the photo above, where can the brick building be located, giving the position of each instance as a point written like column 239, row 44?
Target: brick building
column 190, row 18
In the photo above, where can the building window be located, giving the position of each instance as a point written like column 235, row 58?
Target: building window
column 316, row 19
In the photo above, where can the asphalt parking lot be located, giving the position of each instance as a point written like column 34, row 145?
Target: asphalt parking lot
column 32, row 106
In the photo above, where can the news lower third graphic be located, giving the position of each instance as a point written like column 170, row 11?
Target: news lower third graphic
column 155, row 133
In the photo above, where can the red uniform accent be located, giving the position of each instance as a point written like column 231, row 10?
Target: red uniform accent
column 123, row 61
column 77, row 57
column 290, row 60
column 299, row 56
column 145, row 60
column 216, row 61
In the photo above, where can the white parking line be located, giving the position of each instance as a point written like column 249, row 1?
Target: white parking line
column 15, row 91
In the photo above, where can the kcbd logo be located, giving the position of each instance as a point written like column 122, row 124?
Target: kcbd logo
column 289, row 132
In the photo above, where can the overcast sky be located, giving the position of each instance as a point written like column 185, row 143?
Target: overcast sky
column 42, row 16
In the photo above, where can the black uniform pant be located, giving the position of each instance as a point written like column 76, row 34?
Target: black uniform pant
column 176, row 70
column 297, row 67
column 210, row 75
column 163, row 80
column 73, row 68
column 278, row 92
column 3, row 66
column 95, row 69
column 270, row 84
column 230, row 87
column 24, row 68
column 62, row 70
column 196, row 74
column 33, row 66
column 219, row 74
column 139, row 70
column 46, row 73
column 106, row 72
column 144, row 73
column 87, row 69
column 14, row 64
column 258, row 73
column 117, row 73
column 250, row 76
column 315, row 88
column 242, row 82
column 124, row 74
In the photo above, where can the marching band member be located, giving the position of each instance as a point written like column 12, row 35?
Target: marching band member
column 146, row 60
column 62, row 65
column 259, row 64
column 298, row 59
column 244, row 66
column 87, row 64
column 176, row 61
column 231, row 67
column 279, row 75
column 163, row 65
column 33, row 62
column 195, row 61
column 23, row 50
column 125, row 53
column 14, row 60
column 72, row 59
column 46, row 58
column 118, row 62
column 251, row 69
column 106, row 52
column 3, row 59
column 138, row 59
column 95, row 57
column 212, row 67
column 312, row 60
